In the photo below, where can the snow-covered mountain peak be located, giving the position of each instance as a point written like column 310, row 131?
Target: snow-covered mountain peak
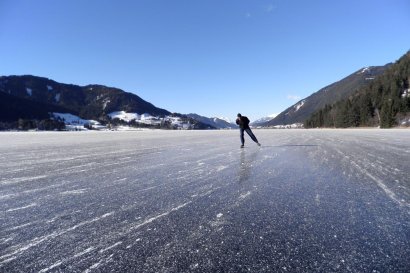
column 264, row 119
column 225, row 119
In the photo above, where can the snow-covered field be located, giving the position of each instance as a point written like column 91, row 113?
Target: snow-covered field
column 193, row 201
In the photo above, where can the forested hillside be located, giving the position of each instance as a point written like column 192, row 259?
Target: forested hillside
column 385, row 102
column 303, row 109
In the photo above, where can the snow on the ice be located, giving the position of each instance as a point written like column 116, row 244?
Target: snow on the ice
column 29, row 91
column 49, row 88
column 57, row 97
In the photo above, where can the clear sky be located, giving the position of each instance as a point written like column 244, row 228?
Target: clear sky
column 210, row 57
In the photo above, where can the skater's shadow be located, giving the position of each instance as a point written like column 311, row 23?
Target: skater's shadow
column 246, row 164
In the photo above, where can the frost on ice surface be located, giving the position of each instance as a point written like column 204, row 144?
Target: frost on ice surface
column 29, row 91
column 145, row 201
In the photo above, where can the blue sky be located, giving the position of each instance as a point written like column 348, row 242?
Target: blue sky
column 210, row 57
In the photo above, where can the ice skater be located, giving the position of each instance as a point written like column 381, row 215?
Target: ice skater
column 243, row 123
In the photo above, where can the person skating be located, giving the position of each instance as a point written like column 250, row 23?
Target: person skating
column 243, row 123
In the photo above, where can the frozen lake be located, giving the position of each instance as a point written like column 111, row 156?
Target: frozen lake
column 193, row 201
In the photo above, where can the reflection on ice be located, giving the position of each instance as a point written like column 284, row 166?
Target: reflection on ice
column 246, row 164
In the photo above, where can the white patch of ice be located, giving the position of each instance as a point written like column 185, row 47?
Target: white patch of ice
column 79, row 191
column 51, row 267
column 49, row 88
column 88, row 250
column 29, row 91
column 38, row 240
column 317, row 199
column 94, row 266
column 5, row 240
column 22, row 179
column 378, row 181
column 244, row 195
column 219, row 215
column 20, row 226
column 110, row 247
column 152, row 219
column 221, row 168
column 57, row 97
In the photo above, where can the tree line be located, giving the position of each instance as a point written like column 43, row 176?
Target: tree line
column 385, row 102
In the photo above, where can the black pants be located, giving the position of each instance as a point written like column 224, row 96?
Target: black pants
column 249, row 131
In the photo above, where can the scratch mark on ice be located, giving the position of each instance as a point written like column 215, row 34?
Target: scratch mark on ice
column 110, row 247
column 152, row 219
column 244, row 195
column 38, row 240
column 51, row 267
column 22, row 179
column 20, row 208
column 79, row 191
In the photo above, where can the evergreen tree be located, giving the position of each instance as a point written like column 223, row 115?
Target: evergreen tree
column 383, row 102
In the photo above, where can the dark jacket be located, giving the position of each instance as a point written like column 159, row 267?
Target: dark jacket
column 243, row 122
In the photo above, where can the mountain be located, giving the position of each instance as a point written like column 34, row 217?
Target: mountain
column 385, row 102
column 33, row 98
column 262, row 121
column 90, row 102
column 227, row 120
column 13, row 108
column 214, row 122
column 342, row 89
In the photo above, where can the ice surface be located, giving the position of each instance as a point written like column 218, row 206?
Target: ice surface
column 193, row 201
